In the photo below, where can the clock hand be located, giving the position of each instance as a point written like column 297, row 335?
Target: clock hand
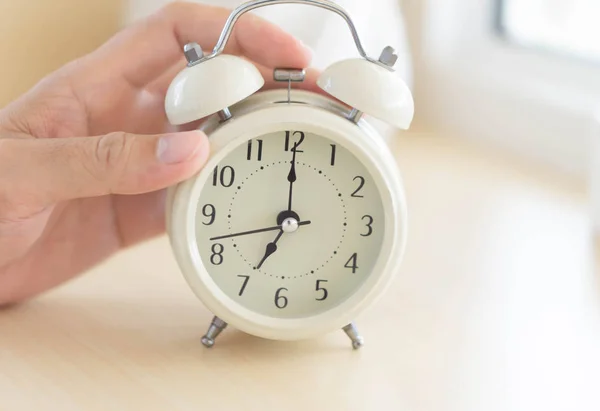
column 271, row 248
column 292, row 176
column 261, row 230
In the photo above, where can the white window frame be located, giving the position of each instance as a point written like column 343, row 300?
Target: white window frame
column 474, row 83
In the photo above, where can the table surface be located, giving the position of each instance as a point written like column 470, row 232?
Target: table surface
column 496, row 308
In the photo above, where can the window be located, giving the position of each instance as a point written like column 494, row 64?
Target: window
column 473, row 82
column 563, row 26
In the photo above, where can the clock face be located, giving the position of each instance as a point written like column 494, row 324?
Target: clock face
column 289, row 224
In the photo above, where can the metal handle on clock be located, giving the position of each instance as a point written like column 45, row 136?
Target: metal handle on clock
column 251, row 5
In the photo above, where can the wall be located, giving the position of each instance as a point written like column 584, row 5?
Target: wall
column 38, row 36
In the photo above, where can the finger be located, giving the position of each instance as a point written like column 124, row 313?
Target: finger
column 46, row 171
column 148, row 48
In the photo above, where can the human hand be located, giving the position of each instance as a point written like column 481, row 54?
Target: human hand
column 86, row 154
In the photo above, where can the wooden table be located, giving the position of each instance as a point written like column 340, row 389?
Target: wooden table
column 496, row 308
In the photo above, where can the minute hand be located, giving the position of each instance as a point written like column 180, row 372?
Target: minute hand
column 261, row 230
column 292, row 177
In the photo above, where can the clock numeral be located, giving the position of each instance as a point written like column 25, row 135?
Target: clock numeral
column 296, row 144
column 319, row 288
column 353, row 261
column 369, row 227
column 216, row 257
column 225, row 177
column 360, row 185
column 246, row 278
column 332, row 154
column 259, row 154
column 209, row 211
column 281, row 301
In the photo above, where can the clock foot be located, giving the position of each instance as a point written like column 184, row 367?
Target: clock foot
column 352, row 333
column 216, row 326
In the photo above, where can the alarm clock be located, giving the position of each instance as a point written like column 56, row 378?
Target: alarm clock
column 298, row 220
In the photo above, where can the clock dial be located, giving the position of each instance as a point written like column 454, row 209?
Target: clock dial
column 289, row 224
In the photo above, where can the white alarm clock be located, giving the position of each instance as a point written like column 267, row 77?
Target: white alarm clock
column 298, row 220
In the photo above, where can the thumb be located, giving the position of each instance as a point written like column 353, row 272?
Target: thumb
column 62, row 169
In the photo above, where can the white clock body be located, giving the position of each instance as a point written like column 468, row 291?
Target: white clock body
column 347, row 197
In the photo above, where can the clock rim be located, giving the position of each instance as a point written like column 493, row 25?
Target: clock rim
column 364, row 142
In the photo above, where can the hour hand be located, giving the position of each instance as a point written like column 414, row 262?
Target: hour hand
column 270, row 249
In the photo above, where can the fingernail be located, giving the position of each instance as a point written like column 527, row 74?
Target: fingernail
column 179, row 147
